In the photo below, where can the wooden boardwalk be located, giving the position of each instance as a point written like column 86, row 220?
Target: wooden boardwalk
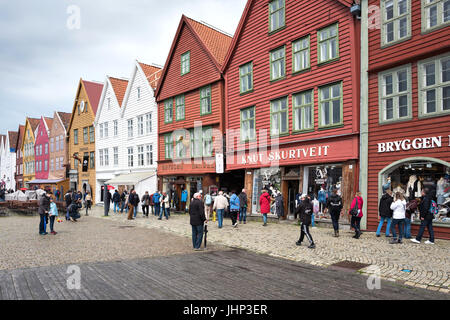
column 210, row 275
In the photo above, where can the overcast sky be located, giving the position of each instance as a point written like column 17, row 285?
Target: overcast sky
column 42, row 59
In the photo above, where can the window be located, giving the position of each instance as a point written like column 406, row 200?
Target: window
column 149, row 151
column 106, row 151
column 396, row 21
column 435, row 14
column 180, row 149
column 75, row 136
column 106, row 130
column 57, row 144
column 46, row 165
column 248, row 131
column 46, row 148
column 276, row 15
column 139, row 93
column 168, row 111
column 52, row 164
column 101, row 131
column 330, row 105
column 85, row 135
column 101, row 157
column 116, row 156
column 130, row 157
column 246, row 77
column 328, row 44
column 140, row 156
column 140, row 125
column 168, row 144
column 300, row 55
column 116, row 128
column 196, row 142
column 52, row 143
column 279, row 121
column 148, row 123
column 179, row 107
column 61, row 143
column 40, row 166
column 91, row 134
column 207, row 144
column 395, row 94
column 130, row 128
column 303, row 110
column 57, row 163
column 277, row 64
column 40, row 150
column 185, row 63
column 61, row 162
column 434, row 86
column 92, row 160
column 205, row 100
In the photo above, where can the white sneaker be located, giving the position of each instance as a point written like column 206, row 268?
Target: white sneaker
column 429, row 242
column 415, row 241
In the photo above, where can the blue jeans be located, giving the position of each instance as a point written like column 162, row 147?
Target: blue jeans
column 312, row 220
column 52, row 223
column 265, row 218
column 124, row 207
column 220, row 217
column 426, row 223
column 401, row 224
column 407, row 233
column 388, row 227
column 157, row 209
column 68, row 214
column 165, row 211
column 197, row 236
column 116, row 207
column 243, row 214
column 42, row 224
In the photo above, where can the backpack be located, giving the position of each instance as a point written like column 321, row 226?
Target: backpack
column 208, row 200
column 434, row 208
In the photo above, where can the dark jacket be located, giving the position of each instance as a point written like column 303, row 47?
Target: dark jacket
column 68, row 199
column 305, row 211
column 133, row 199
column 242, row 200
column 44, row 204
column 279, row 205
column 123, row 197
column 116, row 197
column 108, row 197
column 146, row 200
column 424, row 208
column 197, row 213
column 385, row 206
column 334, row 203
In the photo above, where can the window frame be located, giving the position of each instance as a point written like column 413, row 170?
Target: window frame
column 384, row 42
column 115, row 156
column 302, row 108
column 85, row 135
column 206, row 139
column 247, row 120
column 271, row 62
column 181, row 96
column 208, row 97
column 130, row 156
column 319, row 52
column 395, row 94
column 91, row 134
column 140, row 126
column 168, row 105
column 141, row 155
column 245, row 75
column 168, row 141
column 440, row 16
column 299, row 52
column 149, row 154
column 270, row 17
column 280, row 134
column 438, row 86
column 92, row 160
column 148, row 123
column 319, row 107
column 130, row 129
column 188, row 54
column 116, row 127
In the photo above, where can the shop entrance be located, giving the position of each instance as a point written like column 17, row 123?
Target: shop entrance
column 292, row 195
column 233, row 180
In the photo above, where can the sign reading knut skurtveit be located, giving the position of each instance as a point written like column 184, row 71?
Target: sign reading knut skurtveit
column 413, row 144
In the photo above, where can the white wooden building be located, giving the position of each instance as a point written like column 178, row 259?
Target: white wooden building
column 8, row 159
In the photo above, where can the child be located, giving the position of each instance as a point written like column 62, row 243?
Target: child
column 53, row 213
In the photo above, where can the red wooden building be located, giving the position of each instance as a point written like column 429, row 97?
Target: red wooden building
column 190, row 97
column 292, row 76
column 409, row 102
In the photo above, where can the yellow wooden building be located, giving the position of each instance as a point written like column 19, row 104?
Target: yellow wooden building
column 29, row 138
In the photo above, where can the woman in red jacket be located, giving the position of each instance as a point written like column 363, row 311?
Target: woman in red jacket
column 356, row 220
column 264, row 203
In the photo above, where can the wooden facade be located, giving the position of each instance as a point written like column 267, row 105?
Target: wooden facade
column 253, row 44
column 420, row 45
column 19, row 159
column 28, row 150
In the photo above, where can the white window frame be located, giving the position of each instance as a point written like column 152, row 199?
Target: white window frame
column 395, row 94
column 130, row 157
column 149, row 154
column 148, row 123
column 106, row 154
column 130, row 124
column 438, row 86
column 101, row 159
column 116, row 156
column 396, row 20
column 141, row 156
column 116, row 128
column 101, row 131
column 106, row 130
column 440, row 23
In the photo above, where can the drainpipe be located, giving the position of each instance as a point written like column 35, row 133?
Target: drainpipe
column 364, row 112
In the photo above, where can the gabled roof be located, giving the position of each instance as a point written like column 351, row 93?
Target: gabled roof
column 214, row 42
column 152, row 73
column 94, row 91
column 48, row 123
column 13, row 136
column 119, row 87
column 34, row 123
column 2, row 139
column 237, row 34
column 65, row 118
column 20, row 137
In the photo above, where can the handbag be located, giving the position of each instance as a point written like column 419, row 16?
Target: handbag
column 354, row 211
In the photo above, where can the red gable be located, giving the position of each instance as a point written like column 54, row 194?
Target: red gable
column 94, row 92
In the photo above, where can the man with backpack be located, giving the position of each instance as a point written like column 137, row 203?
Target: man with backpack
column 427, row 209
column 334, row 205
column 208, row 205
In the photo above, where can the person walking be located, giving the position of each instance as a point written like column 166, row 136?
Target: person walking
column 184, row 197
column 398, row 217
column 145, row 204
column 68, row 200
column 43, row 210
column 234, row 208
column 385, row 212
column 335, row 205
column 411, row 208
column 264, row 203
column 164, row 206
column 124, row 201
column 220, row 204
column 197, row 220
column 356, row 208
column 53, row 213
column 116, row 201
column 152, row 204
column 305, row 211
column 243, row 207
column 156, row 201
column 426, row 218
column 208, row 206
column 133, row 202
column 88, row 202
column 108, row 200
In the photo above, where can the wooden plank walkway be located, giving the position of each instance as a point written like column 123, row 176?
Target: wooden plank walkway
column 210, row 275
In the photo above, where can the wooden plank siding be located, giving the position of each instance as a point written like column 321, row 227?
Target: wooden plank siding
column 254, row 44
column 420, row 46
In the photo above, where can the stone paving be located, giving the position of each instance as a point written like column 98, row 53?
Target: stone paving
column 429, row 264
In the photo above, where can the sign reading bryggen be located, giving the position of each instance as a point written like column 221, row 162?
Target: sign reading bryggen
column 415, row 144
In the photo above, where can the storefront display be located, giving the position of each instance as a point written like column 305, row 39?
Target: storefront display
column 265, row 178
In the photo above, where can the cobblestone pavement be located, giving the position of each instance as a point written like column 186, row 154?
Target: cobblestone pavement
column 429, row 264
column 88, row 240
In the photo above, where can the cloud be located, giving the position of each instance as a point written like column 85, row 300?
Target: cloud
column 42, row 60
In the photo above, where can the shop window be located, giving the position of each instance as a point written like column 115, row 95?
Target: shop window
column 435, row 14
column 328, row 44
column 434, row 86
column 326, row 177
column 265, row 178
column 395, row 94
column 395, row 21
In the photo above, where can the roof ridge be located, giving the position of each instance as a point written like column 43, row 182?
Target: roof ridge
column 211, row 27
column 154, row 65
column 121, row 79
